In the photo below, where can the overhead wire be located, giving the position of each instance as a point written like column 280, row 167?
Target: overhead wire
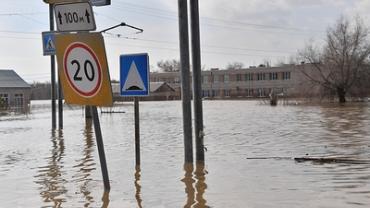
column 170, row 15
column 240, row 23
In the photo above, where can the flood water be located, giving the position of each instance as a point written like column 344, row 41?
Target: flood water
column 249, row 157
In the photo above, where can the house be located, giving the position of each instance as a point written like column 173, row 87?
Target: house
column 158, row 91
column 14, row 92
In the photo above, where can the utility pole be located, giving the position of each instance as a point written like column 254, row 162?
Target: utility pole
column 185, row 79
column 52, row 60
column 197, row 81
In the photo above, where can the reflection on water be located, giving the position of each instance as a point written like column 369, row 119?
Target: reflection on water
column 50, row 177
column 86, row 165
column 138, row 186
column 105, row 199
column 195, row 196
column 200, row 185
column 344, row 120
column 188, row 181
column 345, row 129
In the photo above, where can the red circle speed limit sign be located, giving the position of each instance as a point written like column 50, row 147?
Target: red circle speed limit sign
column 82, row 69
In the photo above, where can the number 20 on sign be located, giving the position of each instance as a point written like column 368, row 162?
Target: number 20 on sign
column 83, row 69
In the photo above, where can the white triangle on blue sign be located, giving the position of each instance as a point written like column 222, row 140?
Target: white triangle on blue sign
column 134, row 82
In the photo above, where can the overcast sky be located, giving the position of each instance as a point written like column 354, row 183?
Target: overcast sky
column 247, row 31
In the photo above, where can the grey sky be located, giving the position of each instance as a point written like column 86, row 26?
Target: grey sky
column 250, row 31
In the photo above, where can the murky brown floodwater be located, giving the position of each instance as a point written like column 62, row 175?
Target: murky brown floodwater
column 248, row 162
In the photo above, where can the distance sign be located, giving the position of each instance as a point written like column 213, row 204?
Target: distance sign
column 74, row 17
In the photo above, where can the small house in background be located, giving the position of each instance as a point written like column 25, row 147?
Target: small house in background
column 14, row 92
column 158, row 91
column 163, row 91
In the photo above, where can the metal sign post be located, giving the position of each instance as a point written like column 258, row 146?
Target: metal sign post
column 137, row 131
column 52, row 66
column 134, row 81
column 82, row 63
column 84, row 74
column 100, row 144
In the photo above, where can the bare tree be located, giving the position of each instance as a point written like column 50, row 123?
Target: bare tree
column 169, row 65
column 338, row 65
column 235, row 65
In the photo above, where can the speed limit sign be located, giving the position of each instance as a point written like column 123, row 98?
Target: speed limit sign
column 83, row 69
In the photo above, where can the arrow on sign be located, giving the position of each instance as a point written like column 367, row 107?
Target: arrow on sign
column 60, row 18
column 87, row 14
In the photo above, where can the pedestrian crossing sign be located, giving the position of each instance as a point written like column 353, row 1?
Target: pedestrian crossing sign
column 48, row 43
column 134, row 75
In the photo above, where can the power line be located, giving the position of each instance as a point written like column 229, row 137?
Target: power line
column 204, row 45
column 204, row 51
column 21, row 38
column 22, row 13
column 240, row 23
column 161, row 41
column 20, row 32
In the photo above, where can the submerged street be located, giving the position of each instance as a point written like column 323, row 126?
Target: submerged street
column 249, row 157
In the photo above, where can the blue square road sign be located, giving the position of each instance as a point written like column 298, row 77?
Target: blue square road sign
column 134, row 75
column 48, row 43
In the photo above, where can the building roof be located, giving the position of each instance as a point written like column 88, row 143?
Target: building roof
column 154, row 86
column 10, row 79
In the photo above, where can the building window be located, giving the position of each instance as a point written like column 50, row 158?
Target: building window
column 260, row 92
column 248, row 77
column 205, row 93
column 227, row 78
column 273, row 75
column 214, row 93
column 18, row 100
column 226, row 93
column 249, row 92
column 4, row 100
column 205, row 79
column 238, row 77
column 261, row 76
column 215, row 79
column 286, row 75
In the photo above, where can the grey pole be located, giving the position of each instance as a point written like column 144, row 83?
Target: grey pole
column 137, row 131
column 100, row 144
column 60, row 104
column 197, row 81
column 88, row 113
column 52, row 60
column 185, row 79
